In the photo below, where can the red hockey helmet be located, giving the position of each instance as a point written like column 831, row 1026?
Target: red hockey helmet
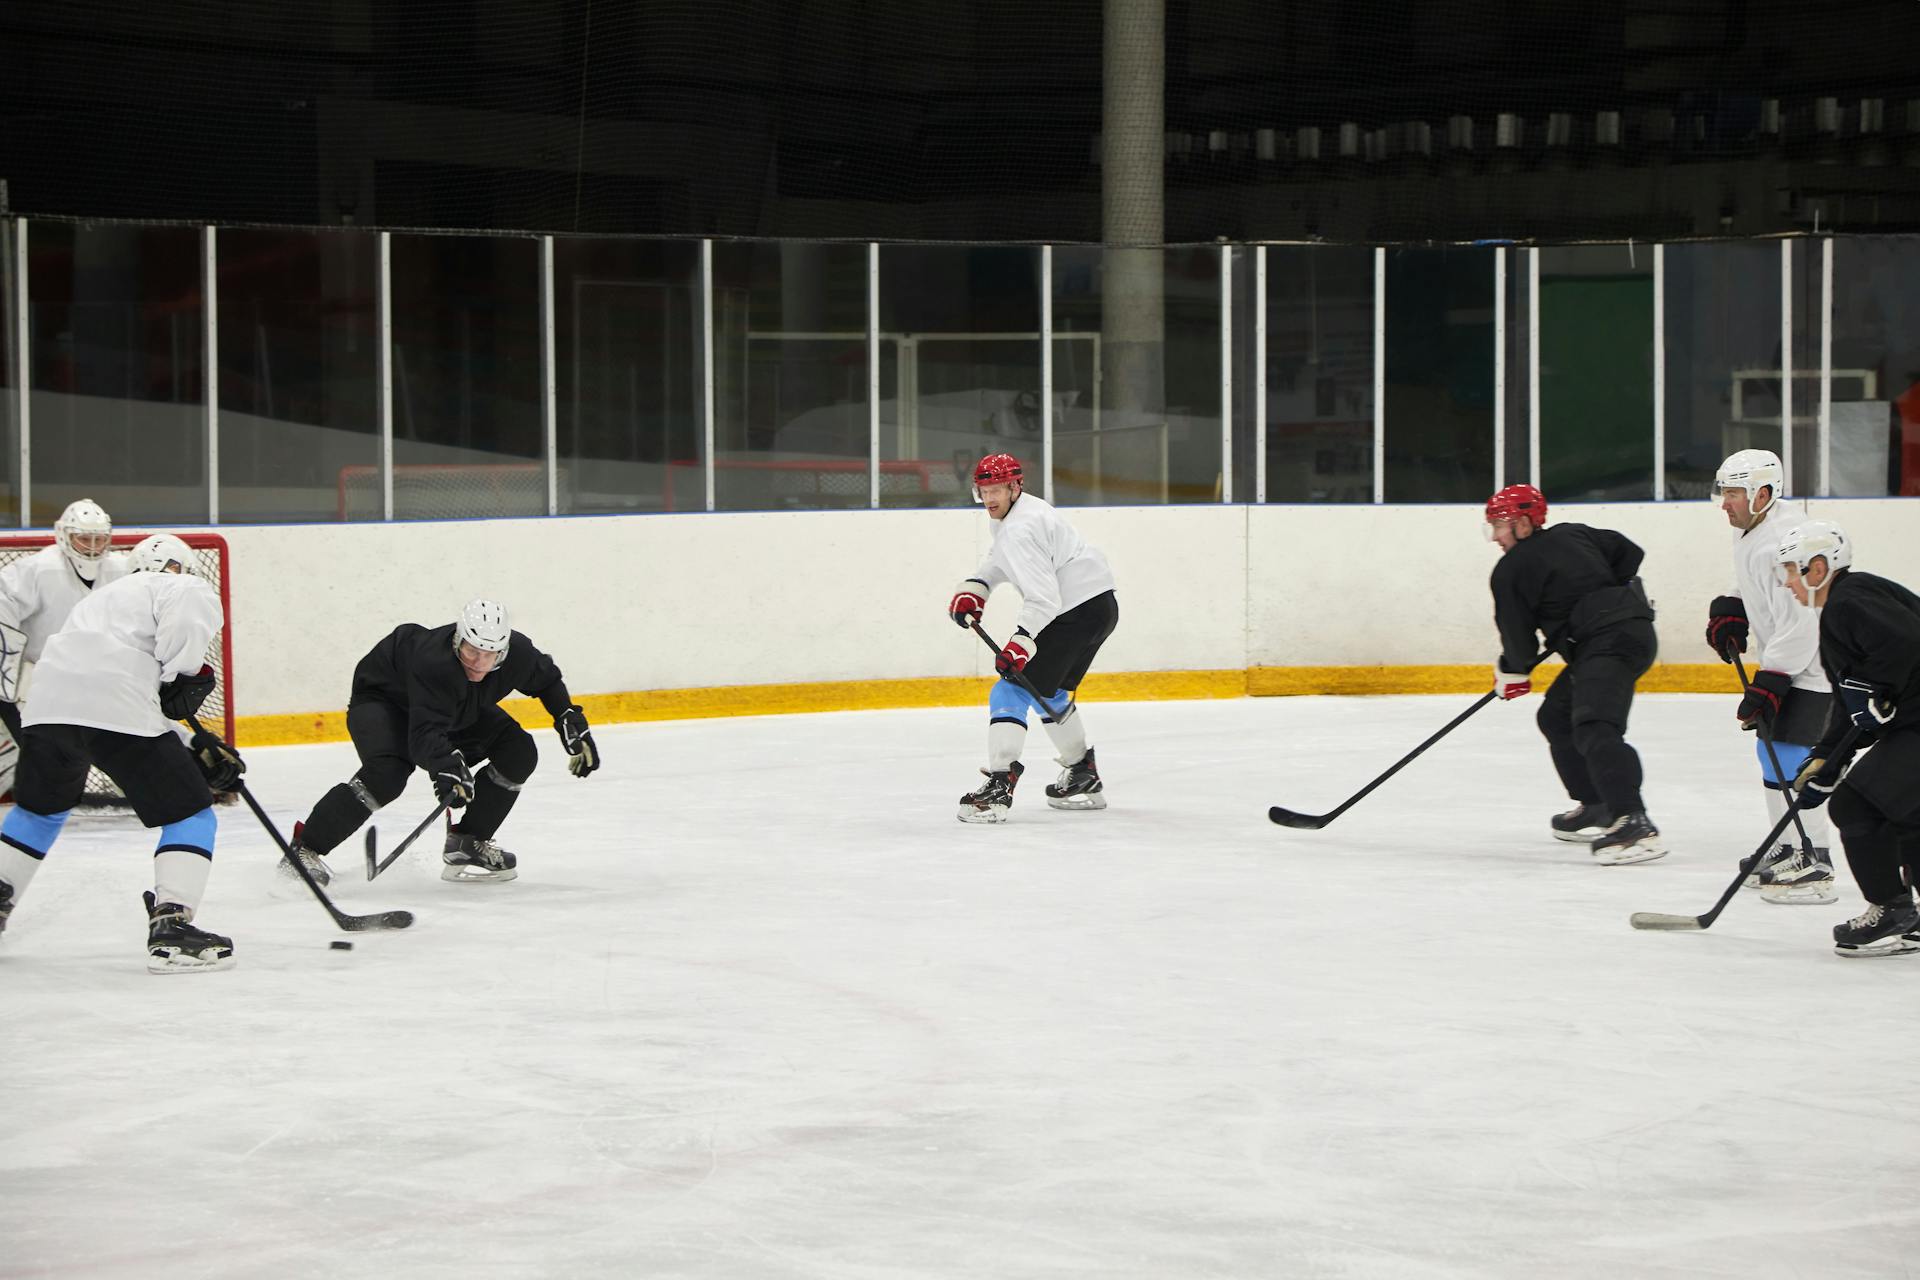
column 1518, row 500
column 996, row 468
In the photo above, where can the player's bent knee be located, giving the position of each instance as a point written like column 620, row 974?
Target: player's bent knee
column 32, row 833
column 1008, row 701
column 193, row 833
column 379, row 785
column 1851, row 812
column 514, row 757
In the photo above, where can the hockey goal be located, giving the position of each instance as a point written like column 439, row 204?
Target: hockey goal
column 216, row 567
column 447, row 490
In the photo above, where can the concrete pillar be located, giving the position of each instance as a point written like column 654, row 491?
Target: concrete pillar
column 1133, row 203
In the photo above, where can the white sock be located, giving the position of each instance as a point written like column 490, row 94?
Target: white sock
column 180, row 876
column 1004, row 740
column 1815, row 821
column 16, row 868
column 1069, row 739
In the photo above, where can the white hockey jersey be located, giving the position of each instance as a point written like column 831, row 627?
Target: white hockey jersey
column 37, row 592
column 1785, row 634
column 1046, row 561
column 105, row 668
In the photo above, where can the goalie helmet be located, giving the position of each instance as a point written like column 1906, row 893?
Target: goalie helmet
column 84, row 532
column 1752, row 470
column 1800, row 545
column 483, row 626
column 1518, row 500
column 158, row 552
column 995, row 468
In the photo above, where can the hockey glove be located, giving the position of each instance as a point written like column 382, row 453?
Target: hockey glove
column 451, row 781
column 1510, row 686
column 1761, row 705
column 967, row 603
column 180, row 697
column 1816, row 780
column 13, row 650
column 582, row 756
column 1016, row 653
column 1870, row 707
column 219, row 763
column 1727, row 626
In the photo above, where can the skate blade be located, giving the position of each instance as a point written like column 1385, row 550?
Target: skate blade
column 1627, row 855
column 992, row 813
column 1092, row 801
column 476, row 875
column 1816, row 893
column 170, row 960
column 1904, row 944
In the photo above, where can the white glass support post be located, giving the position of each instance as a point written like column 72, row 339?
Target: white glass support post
column 1533, row 367
column 23, row 371
column 1659, row 373
column 549, row 404
column 1380, row 374
column 210, row 361
column 1260, row 372
column 383, row 321
column 1046, row 372
column 706, row 368
column 1499, row 368
column 1786, row 364
column 1826, row 367
column 873, row 376
column 1226, row 373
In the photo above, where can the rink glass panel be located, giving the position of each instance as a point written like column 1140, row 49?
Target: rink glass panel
column 1723, row 358
column 790, row 380
column 627, row 374
column 9, row 409
column 1596, row 372
column 467, row 436
column 117, row 371
column 1518, row 454
column 1319, row 374
column 1439, row 375
column 299, row 373
column 1876, row 367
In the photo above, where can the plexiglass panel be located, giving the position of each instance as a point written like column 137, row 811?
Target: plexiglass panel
column 1439, row 420
column 1723, row 357
column 9, row 407
column 1319, row 374
column 1876, row 367
column 1596, row 372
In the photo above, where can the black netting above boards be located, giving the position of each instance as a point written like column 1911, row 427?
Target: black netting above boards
column 970, row 119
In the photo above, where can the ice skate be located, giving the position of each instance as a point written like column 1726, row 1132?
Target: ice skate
column 6, row 904
column 315, row 863
column 1584, row 822
column 1803, row 877
column 1883, row 929
column 994, row 797
column 1078, row 786
column 175, row 946
column 471, row 859
column 1776, row 856
column 1631, row 838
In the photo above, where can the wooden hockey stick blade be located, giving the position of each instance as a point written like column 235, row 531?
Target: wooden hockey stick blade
column 1661, row 920
column 1302, row 821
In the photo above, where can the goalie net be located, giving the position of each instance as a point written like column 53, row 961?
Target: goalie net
column 215, row 566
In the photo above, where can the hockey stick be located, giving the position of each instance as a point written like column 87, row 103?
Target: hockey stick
column 376, row 865
column 1661, row 920
column 1020, row 678
column 1315, row 821
column 1766, row 740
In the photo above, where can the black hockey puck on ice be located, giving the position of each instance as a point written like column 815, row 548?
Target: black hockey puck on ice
column 341, row 944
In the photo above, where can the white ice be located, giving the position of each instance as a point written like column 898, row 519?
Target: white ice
column 758, row 1006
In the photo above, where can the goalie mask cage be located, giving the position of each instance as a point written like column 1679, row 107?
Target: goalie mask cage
column 215, row 565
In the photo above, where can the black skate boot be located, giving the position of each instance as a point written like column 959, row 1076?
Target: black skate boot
column 175, row 946
column 1803, row 877
column 1631, row 838
column 6, row 904
column 314, row 862
column 1883, row 929
column 470, row 859
column 994, row 797
column 1078, row 786
column 1777, row 856
column 1582, row 823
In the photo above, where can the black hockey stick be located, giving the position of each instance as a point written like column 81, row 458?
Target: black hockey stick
column 1020, row 678
column 1661, row 920
column 1766, row 740
column 376, row 864
column 1315, row 821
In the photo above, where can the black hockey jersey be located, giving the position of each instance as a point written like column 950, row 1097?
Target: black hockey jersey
column 1567, row 582
column 415, row 668
column 1870, row 631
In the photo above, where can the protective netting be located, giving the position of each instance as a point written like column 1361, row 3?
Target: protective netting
column 973, row 120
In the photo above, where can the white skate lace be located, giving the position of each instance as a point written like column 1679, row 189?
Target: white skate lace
column 1868, row 918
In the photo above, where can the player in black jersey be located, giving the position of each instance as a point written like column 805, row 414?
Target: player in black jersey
column 428, row 698
column 1575, row 586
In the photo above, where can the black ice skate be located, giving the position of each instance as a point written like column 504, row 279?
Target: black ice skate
column 1583, row 823
column 1883, row 929
column 314, row 862
column 1802, row 877
column 175, row 946
column 994, row 797
column 6, row 904
column 1078, row 786
column 1776, row 856
column 1631, row 838
column 471, row 859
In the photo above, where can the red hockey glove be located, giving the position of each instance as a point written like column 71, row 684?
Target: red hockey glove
column 1015, row 654
column 1510, row 686
column 1761, row 707
column 967, row 602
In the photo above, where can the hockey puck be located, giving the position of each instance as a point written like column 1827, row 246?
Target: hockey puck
column 341, row 944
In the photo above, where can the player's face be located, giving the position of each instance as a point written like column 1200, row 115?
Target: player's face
column 1806, row 589
column 1506, row 533
column 998, row 498
column 477, row 663
column 91, row 544
column 1738, row 505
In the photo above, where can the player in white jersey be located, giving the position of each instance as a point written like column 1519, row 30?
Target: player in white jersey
column 1067, row 611
column 37, row 592
column 128, row 661
column 1789, row 696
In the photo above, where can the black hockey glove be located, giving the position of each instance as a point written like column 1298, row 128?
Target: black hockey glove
column 1765, row 695
column 452, row 782
column 1870, row 707
column 180, row 697
column 1727, row 626
column 1816, row 780
column 219, row 763
column 582, row 756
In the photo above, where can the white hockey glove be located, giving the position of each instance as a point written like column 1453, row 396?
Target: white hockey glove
column 1510, row 686
column 583, row 757
column 13, row 650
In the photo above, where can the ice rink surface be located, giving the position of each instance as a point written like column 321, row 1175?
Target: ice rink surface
column 758, row 1006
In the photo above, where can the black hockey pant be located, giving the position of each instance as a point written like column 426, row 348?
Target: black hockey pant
column 1584, row 717
column 379, row 732
column 1877, row 811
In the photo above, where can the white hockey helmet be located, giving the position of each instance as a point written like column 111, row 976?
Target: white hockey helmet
column 483, row 625
column 158, row 552
column 84, row 532
column 1805, row 542
column 1752, row 470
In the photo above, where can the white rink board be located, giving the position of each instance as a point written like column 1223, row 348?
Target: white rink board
column 759, row 1007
